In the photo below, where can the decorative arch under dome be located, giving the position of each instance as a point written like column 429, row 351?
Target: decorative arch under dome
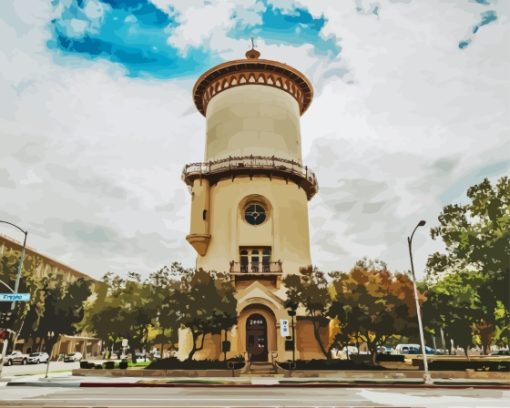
column 252, row 71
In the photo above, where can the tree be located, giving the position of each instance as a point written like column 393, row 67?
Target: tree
column 477, row 240
column 205, row 304
column 122, row 309
column 63, row 308
column 309, row 288
column 454, row 305
column 25, row 313
column 371, row 304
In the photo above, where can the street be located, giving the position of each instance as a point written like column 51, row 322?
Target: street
column 32, row 369
column 246, row 397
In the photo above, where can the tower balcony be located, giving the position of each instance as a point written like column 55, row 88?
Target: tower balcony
column 231, row 167
column 255, row 269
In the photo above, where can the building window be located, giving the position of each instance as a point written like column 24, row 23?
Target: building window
column 254, row 214
column 244, row 260
column 255, row 260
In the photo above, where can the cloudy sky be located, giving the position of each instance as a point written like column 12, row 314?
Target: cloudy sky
column 411, row 108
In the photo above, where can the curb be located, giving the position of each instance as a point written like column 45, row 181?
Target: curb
column 43, row 384
column 294, row 385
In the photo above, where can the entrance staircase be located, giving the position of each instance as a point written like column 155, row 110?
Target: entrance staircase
column 261, row 369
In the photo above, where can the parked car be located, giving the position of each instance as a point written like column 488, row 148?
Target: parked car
column 73, row 357
column 413, row 349
column 16, row 357
column 384, row 350
column 39, row 357
column 500, row 353
column 140, row 358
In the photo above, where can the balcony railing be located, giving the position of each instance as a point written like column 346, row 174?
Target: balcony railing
column 253, row 165
column 256, row 268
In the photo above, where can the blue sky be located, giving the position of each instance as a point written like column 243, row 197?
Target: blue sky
column 135, row 33
column 410, row 109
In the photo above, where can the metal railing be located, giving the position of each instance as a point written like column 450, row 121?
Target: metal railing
column 273, row 268
column 253, row 164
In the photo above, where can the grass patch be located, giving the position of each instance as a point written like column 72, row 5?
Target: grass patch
column 142, row 364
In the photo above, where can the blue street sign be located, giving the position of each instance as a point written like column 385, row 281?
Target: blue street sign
column 14, row 297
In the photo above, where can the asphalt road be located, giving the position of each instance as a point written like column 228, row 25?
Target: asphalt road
column 246, row 397
column 32, row 369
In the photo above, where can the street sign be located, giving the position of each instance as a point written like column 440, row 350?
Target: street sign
column 14, row 297
column 284, row 328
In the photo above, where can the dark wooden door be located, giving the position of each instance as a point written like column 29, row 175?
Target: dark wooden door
column 256, row 337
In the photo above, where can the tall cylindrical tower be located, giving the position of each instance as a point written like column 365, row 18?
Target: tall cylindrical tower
column 249, row 206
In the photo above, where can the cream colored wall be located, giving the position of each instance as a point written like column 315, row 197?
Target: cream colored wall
column 286, row 230
column 253, row 120
column 306, row 344
column 199, row 204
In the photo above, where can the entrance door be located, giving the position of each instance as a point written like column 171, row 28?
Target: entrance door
column 256, row 337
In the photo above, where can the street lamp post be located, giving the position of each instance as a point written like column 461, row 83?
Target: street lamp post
column 426, row 375
column 16, row 285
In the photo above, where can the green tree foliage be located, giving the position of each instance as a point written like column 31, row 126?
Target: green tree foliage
column 170, row 298
column 453, row 305
column 477, row 240
column 56, row 304
column 25, row 313
column 310, row 289
column 122, row 309
column 371, row 305
column 204, row 303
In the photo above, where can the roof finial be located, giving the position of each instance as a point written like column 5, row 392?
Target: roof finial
column 253, row 53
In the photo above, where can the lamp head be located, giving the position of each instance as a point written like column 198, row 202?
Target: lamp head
column 421, row 223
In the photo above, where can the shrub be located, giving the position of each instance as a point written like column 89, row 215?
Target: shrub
column 86, row 364
column 174, row 363
column 123, row 364
column 390, row 357
column 461, row 365
column 109, row 365
column 98, row 366
column 330, row 365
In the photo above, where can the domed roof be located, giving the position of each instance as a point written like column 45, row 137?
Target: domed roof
column 252, row 71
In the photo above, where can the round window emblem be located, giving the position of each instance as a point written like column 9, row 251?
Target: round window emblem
column 255, row 214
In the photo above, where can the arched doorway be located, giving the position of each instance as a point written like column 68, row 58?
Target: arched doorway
column 256, row 337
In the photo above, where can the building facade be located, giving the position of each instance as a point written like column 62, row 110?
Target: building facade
column 45, row 266
column 249, row 200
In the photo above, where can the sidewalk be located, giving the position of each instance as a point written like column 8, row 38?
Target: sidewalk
column 332, row 382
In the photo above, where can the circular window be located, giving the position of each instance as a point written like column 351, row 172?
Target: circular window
column 255, row 213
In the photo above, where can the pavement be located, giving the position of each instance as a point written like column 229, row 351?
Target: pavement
column 368, row 396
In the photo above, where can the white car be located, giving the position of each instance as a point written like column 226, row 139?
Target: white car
column 40, row 357
column 16, row 357
column 73, row 357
